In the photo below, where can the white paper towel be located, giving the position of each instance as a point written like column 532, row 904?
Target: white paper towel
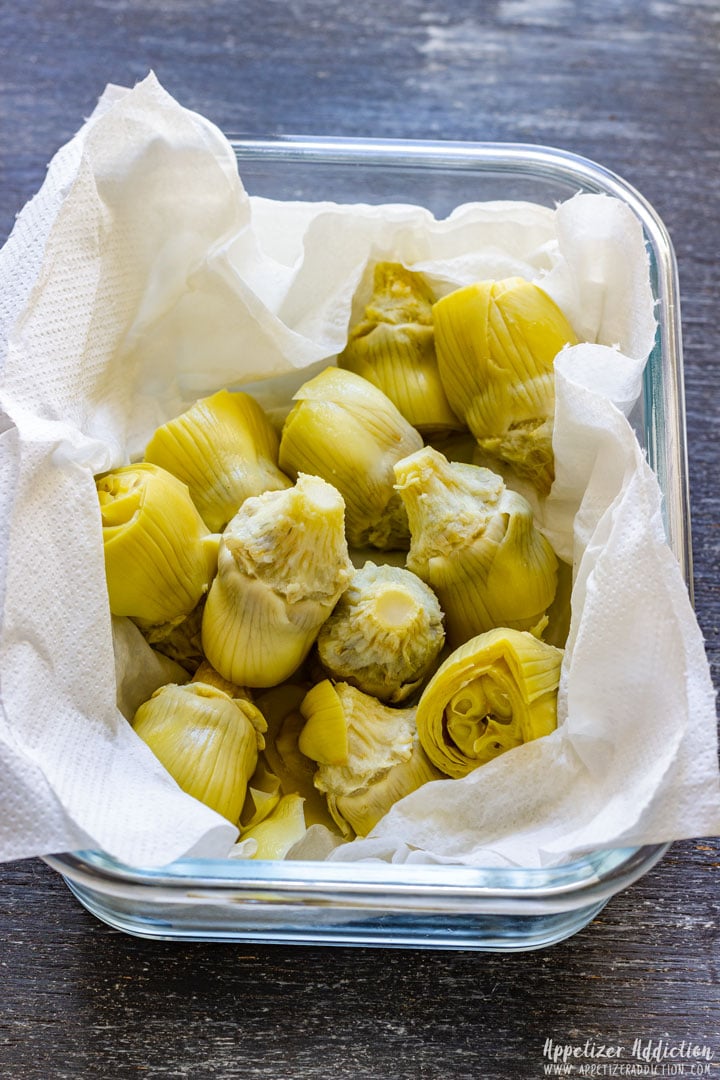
column 142, row 276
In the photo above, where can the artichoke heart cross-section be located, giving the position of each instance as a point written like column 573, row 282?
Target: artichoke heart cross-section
column 385, row 634
column 494, row 693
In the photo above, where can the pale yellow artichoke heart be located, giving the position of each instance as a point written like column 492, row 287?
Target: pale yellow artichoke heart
column 496, row 692
column 159, row 554
column 206, row 740
column 496, row 343
column 347, row 431
column 282, row 565
column 393, row 346
column 475, row 543
column 282, row 755
column 225, row 449
column 384, row 760
column 385, row 633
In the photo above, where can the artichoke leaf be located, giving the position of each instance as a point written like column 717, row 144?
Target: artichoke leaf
column 282, row 757
column 279, row 831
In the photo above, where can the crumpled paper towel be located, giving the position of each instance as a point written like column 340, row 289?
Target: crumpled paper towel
column 143, row 276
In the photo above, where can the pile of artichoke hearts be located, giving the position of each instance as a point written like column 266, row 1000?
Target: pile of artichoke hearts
column 358, row 601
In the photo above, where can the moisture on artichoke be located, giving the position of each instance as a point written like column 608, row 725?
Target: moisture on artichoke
column 206, row 740
column 496, row 342
column 347, row 431
column 393, row 346
column 475, row 543
column 496, row 692
column 378, row 761
column 385, row 633
column 282, row 565
column 225, row 449
column 159, row 554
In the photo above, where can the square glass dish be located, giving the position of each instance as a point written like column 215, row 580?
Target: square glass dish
column 413, row 905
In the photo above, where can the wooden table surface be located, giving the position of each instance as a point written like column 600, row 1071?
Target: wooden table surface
column 633, row 84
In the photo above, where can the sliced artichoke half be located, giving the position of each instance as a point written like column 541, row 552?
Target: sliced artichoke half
column 496, row 692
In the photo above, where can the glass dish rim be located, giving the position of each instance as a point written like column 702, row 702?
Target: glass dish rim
column 600, row 873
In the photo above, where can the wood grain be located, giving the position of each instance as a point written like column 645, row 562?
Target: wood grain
column 630, row 84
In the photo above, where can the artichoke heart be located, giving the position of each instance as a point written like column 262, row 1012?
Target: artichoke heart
column 393, row 346
column 475, row 543
column 385, row 633
column 496, row 342
column 384, row 759
column 225, row 449
column 206, row 740
column 496, row 692
column 347, row 431
column 282, row 565
column 282, row 755
column 159, row 554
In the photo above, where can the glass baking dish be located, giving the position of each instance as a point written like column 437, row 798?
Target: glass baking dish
column 412, row 905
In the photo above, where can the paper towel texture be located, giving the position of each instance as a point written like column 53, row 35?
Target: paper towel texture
column 142, row 276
